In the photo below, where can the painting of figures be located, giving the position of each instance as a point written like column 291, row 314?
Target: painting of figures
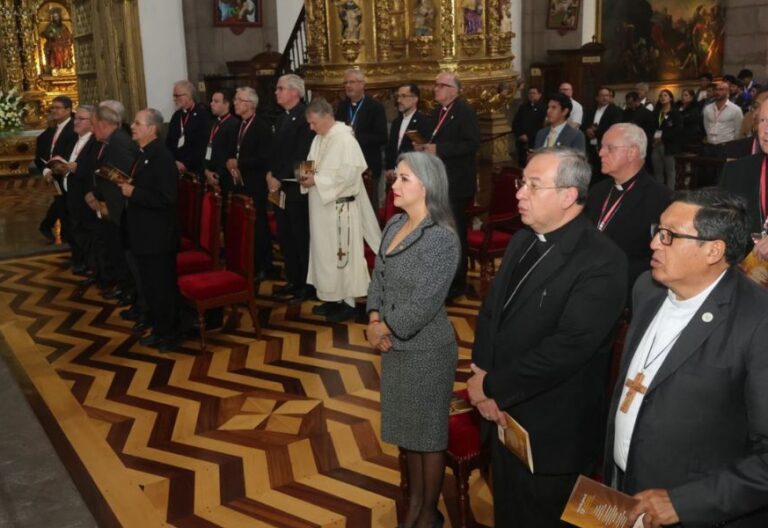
column 662, row 40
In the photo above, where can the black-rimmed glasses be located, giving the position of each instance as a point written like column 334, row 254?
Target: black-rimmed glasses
column 533, row 186
column 666, row 236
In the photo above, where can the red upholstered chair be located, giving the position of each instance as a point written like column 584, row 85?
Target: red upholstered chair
column 189, row 192
column 206, row 258
column 465, row 453
column 490, row 241
column 234, row 284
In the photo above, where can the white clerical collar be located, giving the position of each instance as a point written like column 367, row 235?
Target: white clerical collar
column 541, row 238
column 695, row 302
column 63, row 123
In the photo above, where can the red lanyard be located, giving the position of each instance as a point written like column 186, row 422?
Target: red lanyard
column 602, row 223
column 56, row 138
column 244, row 126
column 443, row 114
column 183, row 120
column 215, row 130
column 763, row 193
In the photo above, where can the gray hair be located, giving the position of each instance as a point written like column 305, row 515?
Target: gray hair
column 431, row 172
column 454, row 76
column 108, row 114
column 572, row 171
column 642, row 87
column 633, row 135
column 188, row 86
column 357, row 72
column 154, row 118
column 250, row 95
column 86, row 108
column 320, row 107
column 723, row 216
column 116, row 106
column 295, row 82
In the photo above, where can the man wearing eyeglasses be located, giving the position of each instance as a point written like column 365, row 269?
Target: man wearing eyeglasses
column 543, row 340
column 688, row 424
column 625, row 206
column 408, row 121
column 455, row 138
column 187, row 135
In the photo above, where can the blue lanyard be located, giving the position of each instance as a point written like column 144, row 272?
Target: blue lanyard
column 353, row 115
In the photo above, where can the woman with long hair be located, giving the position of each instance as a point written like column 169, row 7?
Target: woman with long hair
column 417, row 260
column 667, row 139
column 693, row 123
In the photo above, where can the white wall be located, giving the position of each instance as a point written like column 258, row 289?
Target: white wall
column 287, row 13
column 163, row 50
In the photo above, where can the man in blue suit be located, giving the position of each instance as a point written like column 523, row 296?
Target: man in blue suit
column 558, row 134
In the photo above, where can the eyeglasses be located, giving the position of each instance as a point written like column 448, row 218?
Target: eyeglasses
column 443, row 85
column 58, row 107
column 666, row 237
column 404, row 96
column 533, row 187
column 179, row 96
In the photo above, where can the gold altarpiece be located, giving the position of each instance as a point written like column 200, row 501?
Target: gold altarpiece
column 89, row 50
column 412, row 40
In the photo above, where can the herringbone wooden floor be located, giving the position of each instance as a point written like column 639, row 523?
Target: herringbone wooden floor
column 282, row 431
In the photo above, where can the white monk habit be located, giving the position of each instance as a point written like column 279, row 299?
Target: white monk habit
column 340, row 217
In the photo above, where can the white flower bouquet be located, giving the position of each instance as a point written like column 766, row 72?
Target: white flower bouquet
column 10, row 110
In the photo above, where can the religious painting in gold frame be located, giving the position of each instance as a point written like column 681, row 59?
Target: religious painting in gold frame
column 661, row 40
column 563, row 14
column 56, row 48
column 237, row 13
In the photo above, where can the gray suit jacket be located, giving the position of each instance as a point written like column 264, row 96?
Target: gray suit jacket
column 569, row 137
column 702, row 431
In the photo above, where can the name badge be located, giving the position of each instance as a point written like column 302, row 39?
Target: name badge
column 180, row 143
column 657, row 134
column 208, row 152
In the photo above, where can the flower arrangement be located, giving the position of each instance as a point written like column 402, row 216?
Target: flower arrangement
column 10, row 110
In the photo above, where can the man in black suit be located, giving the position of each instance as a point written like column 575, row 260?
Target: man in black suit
column 597, row 122
column 222, row 142
column 152, row 228
column 540, row 353
column 188, row 129
column 636, row 113
column 409, row 118
column 249, row 169
column 455, row 139
column 559, row 132
column 57, row 140
column 625, row 206
column 367, row 118
column 528, row 120
column 291, row 146
column 688, row 423
column 747, row 177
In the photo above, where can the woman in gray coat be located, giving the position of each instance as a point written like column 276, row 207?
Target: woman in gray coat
column 417, row 260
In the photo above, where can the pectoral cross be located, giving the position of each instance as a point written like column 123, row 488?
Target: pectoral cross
column 340, row 254
column 635, row 387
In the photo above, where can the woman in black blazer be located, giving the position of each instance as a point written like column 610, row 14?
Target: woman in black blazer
column 667, row 138
column 693, row 123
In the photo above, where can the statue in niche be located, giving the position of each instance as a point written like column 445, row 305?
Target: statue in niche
column 58, row 47
column 423, row 18
column 351, row 19
column 505, row 26
column 473, row 16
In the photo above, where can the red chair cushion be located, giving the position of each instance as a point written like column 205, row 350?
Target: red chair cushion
column 499, row 239
column 211, row 284
column 370, row 257
column 193, row 262
column 209, row 220
column 186, row 243
column 464, row 431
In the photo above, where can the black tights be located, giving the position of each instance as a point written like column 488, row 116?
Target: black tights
column 425, row 482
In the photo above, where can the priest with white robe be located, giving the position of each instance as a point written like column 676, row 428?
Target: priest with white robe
column 340, row 215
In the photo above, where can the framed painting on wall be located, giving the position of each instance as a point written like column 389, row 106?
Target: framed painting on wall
column 661, row 40
column 234, row 13
column 563, row 14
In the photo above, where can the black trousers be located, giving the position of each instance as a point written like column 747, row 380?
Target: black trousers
column 459, row 207
column 525, row 500
column 262, row 248
column 293, row 232
column 158, row 280
column 56, row 211
column 112, row 266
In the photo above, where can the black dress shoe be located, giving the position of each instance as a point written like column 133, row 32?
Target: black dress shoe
column 168, row 344
column 112, row 294
column 343, row 313
column 140, row 327
column 284, row 291
column 48, row 234
column 130, row 314
column 126, row 299
column 325, row 308
column 272, row 274
column 152, row 340
column 302, row 293
column 80, row 269
column 87, row 282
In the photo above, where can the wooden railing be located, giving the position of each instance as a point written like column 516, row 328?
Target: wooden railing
column 295, row 52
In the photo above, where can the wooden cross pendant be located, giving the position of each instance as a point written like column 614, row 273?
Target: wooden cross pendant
column 635, row 387
column 340, row 254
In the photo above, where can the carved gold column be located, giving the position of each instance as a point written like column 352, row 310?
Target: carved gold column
column 447, row 30
column 12, row 75
column 317, row 43
column 29, row 40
